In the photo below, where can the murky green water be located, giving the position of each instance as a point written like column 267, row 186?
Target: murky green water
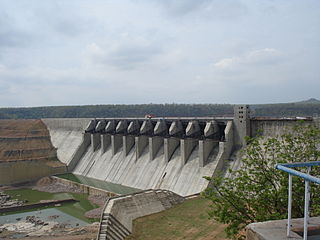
column 72, row 213
column 46, row 215
column 76, row 210
column 108, row 186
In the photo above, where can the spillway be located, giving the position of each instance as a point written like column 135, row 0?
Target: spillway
column 173, row 162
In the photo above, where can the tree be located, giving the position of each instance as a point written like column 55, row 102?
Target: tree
column 257, row 191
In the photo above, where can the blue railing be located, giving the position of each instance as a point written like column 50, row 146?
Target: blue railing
column 287, row 167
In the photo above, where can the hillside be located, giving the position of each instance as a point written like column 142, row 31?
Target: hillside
column 25, row 139
column 309, row 107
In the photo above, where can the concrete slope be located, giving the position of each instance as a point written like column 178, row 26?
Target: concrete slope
column 119, row 212
column 183, row 179
column 66, row 135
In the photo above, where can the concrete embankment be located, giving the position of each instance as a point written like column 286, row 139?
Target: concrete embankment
column 273, row 127
column 119, row 212
column 66, row 135
column 85, row 188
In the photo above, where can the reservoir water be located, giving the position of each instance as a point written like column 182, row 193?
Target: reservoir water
column 72, row 213
column 108, row 186
column 68, row 212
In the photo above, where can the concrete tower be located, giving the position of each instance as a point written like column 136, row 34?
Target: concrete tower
column 241, row 124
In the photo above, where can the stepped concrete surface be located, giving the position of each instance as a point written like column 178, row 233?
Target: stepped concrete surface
column 119, row 212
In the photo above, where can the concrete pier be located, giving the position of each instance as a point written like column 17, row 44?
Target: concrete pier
column 133, row 128
column 193, row 129
column 105, row 142
column 122, row 127
column 187, row 146
column 146, row 128
column 141, row 143
column 170, row 145
column 116, row 143
column 101, row 125
column 161, row 128
column 128, row 143
column 176, row 129
column 211, row 129
column 155, row 144
column 205, row 148
column 110, row 127
column 95, row 141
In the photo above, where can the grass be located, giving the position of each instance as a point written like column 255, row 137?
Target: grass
column 188, row 220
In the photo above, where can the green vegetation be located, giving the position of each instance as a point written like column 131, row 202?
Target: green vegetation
column 257, row 191
column 117, row 111
column 188, row 220
column 305, row 108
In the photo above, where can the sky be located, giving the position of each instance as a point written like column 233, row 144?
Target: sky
column 80, row 52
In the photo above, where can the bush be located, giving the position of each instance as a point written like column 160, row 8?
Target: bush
column 257, row 191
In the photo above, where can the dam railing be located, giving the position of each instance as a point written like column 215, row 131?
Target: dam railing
column 287, row 167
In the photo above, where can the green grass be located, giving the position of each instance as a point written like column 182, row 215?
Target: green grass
column 188, row 220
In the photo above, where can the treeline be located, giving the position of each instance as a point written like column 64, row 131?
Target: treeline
column 287, row 110
column 158, row 110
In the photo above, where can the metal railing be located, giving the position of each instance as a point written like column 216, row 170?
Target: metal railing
column 287, row 167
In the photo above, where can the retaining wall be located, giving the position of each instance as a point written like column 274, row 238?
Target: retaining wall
column 277, row 127
column 119, row 212
column 85, row 188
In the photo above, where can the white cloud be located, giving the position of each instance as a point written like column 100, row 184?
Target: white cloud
column 127, row 54
column 265, row 56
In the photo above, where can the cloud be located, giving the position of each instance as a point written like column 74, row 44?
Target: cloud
column 125, row 55
column 262, row 57
column 216, row 9
column 11, row 35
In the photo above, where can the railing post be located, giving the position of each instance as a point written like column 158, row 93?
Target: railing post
column 306, row 210
column 289, row 205
column 309, row 193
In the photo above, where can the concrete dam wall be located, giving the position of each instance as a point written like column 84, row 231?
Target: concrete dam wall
column 66, row 135
column 159, row 153
column 171, row 153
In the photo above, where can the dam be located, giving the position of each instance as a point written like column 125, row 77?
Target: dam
column 157, row 153
column 167, row 153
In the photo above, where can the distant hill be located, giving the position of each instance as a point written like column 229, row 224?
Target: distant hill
column 309, row 107
column 310, row 101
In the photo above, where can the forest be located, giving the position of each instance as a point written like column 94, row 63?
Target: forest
column 306, row 109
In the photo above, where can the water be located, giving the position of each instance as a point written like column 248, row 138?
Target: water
column 108, row 186
column 73, row 210
column 44, row 215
